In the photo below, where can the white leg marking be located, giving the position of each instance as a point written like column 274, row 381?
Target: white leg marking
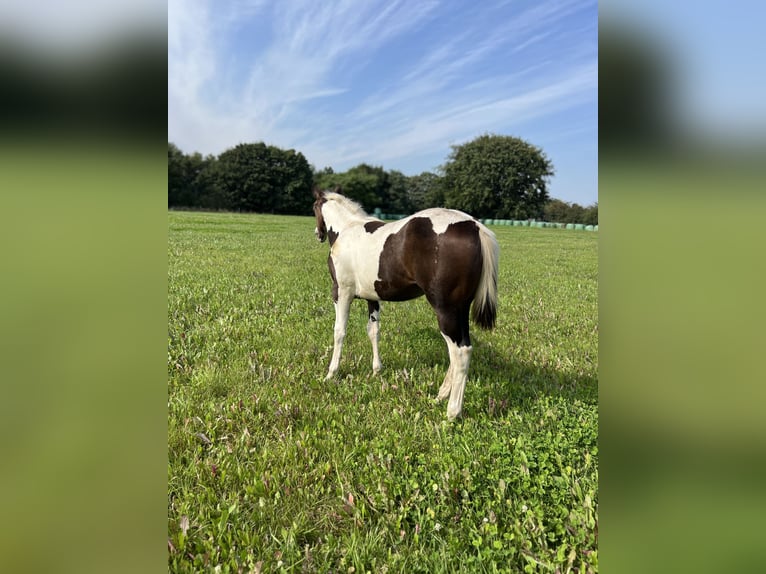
column 446, row 387
column 341, row 318
column 460, row 374
column 373, row 331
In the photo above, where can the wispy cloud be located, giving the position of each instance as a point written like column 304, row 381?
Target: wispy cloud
column 381, row 82
column 310, row 42
column 449, row 63
column 434, row 105
column 465, row 119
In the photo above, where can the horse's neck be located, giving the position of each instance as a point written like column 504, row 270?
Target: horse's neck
column 339, row 218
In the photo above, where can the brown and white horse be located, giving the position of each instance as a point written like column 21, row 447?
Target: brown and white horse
column 443, row 254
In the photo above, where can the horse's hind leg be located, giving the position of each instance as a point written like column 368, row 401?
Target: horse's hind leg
column 454, row 327
column 373, row 331
column 446, row 387
column 459, row 377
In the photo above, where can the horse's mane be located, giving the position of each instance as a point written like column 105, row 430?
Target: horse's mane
column 347, row 203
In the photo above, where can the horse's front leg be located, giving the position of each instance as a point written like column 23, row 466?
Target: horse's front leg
column 342, row 306
column 373, row 331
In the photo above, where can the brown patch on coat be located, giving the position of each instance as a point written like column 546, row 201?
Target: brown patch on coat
column 372, row 308
column 371, row 226
column 413, row 263
column 400, row 262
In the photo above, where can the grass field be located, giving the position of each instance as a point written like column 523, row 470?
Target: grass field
column 270, row 468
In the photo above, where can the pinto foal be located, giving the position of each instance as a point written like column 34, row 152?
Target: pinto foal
column 443, row 254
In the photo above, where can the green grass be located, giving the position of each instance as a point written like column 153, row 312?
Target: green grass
column 270, row 468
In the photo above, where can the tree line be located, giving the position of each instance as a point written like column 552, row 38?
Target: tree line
column 498, row 177
column 564, row 212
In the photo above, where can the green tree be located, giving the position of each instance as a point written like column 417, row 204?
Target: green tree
column 327, row 170
column 193, row 180
column 563, row 212
column 369, row 185
column 326, row 178
column 425, row 190
column 591, row 215
column 179, row 180
column 497, row 176
column 398, row 193
column 556, row 211
column 294, row 178
column 261, row 178
column 576, row 213
column 208, row 192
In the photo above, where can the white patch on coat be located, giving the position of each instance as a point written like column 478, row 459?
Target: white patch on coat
column 442, row 218
column 457, row 374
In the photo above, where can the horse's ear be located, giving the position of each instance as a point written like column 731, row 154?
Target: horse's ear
column 316, row 192
column 337, row 189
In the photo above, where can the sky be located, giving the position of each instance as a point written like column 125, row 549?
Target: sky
column 389, row 83
column 396, row 83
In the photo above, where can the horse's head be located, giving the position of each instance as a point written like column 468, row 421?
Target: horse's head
column 321, row 228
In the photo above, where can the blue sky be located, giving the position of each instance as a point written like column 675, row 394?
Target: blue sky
column 391, row 83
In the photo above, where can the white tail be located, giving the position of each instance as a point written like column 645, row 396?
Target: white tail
column 485, row 300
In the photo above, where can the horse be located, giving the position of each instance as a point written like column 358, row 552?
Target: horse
column 444, row 254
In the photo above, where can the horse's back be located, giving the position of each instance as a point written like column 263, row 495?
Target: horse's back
column 441, row 217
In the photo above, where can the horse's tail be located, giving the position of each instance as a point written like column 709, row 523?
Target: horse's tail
column 485, row 299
